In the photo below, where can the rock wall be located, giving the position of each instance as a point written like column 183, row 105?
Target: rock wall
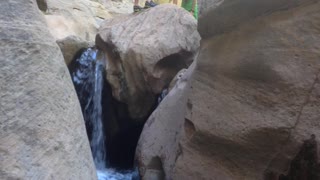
column 72, row 45
column 42, row 129
column 219, row 16
column 118, row 7
column 255, row 95
column 75, row 17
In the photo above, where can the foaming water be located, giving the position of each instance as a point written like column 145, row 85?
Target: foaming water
column 111, row 174
column 88, row 77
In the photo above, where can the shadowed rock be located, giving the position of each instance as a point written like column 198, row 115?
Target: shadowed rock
column 256, row 92
column 305, row 166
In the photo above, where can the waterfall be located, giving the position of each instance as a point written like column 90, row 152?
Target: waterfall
column 97, row 142
column 88, row 72
column 88, row 80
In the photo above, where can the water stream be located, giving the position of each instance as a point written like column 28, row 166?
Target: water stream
column 88, row 72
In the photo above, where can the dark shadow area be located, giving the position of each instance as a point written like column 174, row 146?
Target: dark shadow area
column 305, row 165
column 155, row 163
column 42, row 5
column 155, row 167
column 167, row 68
column 189, row 128
column 172, row 63
column 122, row 132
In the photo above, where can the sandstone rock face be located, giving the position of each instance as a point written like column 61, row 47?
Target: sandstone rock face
column 71, row 45
column 219, row 16
column 145, row 52
column 42, row 132
column 75, row 17
column 158, row 146
column 119, row 7
column 255, row 99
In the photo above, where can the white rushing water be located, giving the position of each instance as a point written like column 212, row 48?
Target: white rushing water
column 111, row 174
column 88, row 78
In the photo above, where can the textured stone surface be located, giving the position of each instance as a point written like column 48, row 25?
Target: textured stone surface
column 71, row 45
column 145, row 52
column 255, row 96
column 161, row 133
column 75, row 17
column 119, row 7
column 219, row 16
column 42, row 132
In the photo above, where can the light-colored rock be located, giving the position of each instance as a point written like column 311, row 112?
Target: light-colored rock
column 167, row 1
column 71, row 45
column 177, row 78
column 75, row 17
column 122, row 7
column 145, row 52
column 158, row 146
column 255, row 96
column 42, row 132
column 60, row 27
column 219, row 16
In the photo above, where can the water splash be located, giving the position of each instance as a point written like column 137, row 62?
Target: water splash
column 88, row 78
column 111, row 174
column 163, row 94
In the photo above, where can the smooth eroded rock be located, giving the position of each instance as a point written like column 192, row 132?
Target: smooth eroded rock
column 75, row 17
column 119, row 7
column 42, row 132
column 255, row 98
column 72, row 45
column 219, row 16
column 145, row 52
column 158, row 147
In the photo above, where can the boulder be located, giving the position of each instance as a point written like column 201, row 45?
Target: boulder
column 42, row 132
column 158, row 147
column 254, row 108
column 145, row 51
column 71, row 45
column 75, row 17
